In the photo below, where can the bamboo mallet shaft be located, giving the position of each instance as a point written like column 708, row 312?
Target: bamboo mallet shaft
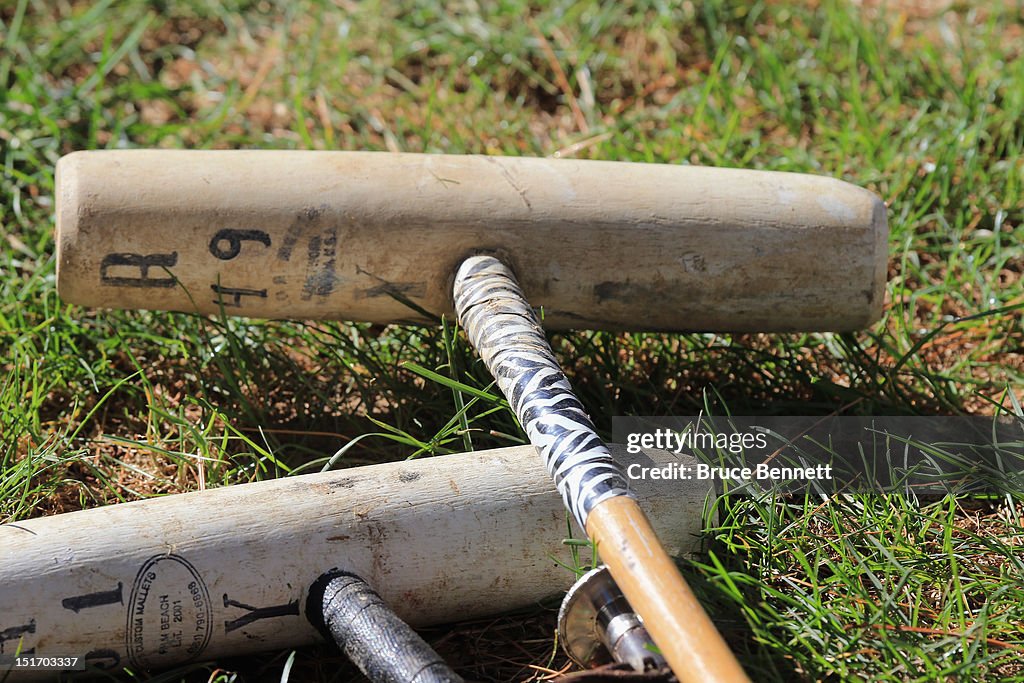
column 506, row 332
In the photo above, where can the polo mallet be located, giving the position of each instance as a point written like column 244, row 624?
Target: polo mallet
column 361, row 236
column 271, row 565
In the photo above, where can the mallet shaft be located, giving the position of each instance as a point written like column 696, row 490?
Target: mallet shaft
column 506, row 332
column 373, row 637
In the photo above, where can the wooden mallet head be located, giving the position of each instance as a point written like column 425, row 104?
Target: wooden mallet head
column 377, row 237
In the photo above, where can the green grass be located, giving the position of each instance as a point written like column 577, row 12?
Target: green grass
column 925, row 109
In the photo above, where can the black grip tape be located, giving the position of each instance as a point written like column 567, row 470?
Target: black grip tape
column 344, row 607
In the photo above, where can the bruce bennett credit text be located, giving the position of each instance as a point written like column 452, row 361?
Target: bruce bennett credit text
column 701, row 471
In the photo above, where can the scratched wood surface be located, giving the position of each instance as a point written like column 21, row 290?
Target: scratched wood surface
column 227, row 571
column 377, row 237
